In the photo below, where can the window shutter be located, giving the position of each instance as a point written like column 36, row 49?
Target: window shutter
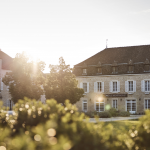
column 134, row 86
column 95, row 86
column 143, row 86
column 81, row 85
column 88, row 87
column 1, row 84
column 110, row 86
column 118, row 86
column 126, row 86
column 103, row 87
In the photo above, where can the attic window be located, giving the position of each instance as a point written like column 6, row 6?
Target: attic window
column 114, row 69
column 99, row 70
column 131, row 69
column 146, row 68
column 84, row 72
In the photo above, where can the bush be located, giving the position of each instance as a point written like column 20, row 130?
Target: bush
column 124, row 114
column 104, row 114
column 113, row 112
column 51, row 126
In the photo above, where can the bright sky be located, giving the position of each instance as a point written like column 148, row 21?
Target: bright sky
column 73, row 29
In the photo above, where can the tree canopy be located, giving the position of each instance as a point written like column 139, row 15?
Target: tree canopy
column 61, row 84
column 26, row 78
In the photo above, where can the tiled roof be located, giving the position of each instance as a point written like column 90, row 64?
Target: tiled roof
column 120, row 55
column 6, row 60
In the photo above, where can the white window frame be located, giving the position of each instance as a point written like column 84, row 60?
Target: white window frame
column 111, row 86
column 84, row 71
column 84, row 102
column 96, row 87
column 127, row 86
column 99, row 102
column 132, row 112
column 81, row 86
column 143, row 89
column 144, row 103
column 8, row 103
column 115, row 103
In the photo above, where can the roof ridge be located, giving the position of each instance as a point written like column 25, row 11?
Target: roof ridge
column 127, row 46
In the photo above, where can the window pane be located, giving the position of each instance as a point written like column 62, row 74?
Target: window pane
column 84, row 106
column 99, row 86
column 101, row 106
column 130, row 85
column 128, row 106
column 133, row 106
column 114, row 86
column 85, row 87
column 97, row 106
column 146, row 104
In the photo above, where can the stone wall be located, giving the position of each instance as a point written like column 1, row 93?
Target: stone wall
column 91, row 97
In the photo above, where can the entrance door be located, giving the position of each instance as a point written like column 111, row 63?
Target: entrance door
column 131, row 106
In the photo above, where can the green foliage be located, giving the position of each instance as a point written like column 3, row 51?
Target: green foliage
column 37, row 126
column 104, row 114
column 123, row 114
column 26, row 78
column 107, row 114
column 113, row 112
column 61, row 84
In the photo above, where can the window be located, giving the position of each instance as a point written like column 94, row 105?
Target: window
column 145, row 85
column 10, row 104
column 99, row 105
column 84, row 105
column 114, row 69
column 99, row 70
column 114, row 105
column 131, row 105
column 98, row 86
column 114, row 86
column 147, row 103
column 146, row 68
column 130, row 86
column 131, row 69
column 84, row 71
column 85, row 86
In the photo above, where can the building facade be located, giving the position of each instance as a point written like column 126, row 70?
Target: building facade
column 115, row 77
column 5, row 65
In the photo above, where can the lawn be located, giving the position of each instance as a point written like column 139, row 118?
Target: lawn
column 123, row 125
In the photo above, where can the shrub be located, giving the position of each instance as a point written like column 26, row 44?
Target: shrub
column 124, row 114
column 113, row 112
column 104, row 114
column 37, row 126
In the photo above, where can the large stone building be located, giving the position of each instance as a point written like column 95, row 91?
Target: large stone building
column 115, row 77
column 5, row 65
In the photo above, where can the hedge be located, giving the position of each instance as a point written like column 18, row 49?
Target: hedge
column 51, row 126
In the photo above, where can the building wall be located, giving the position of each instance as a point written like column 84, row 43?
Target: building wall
column 92, row 96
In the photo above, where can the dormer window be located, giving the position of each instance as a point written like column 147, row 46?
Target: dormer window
column 146, row 66
column 130, row 69
column 114, row 68
column 99, row 70
column 84, row 72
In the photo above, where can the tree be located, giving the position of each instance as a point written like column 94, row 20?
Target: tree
column 26, row 78
column 61, row 84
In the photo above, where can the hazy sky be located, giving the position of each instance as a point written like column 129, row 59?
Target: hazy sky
column 73, row 29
